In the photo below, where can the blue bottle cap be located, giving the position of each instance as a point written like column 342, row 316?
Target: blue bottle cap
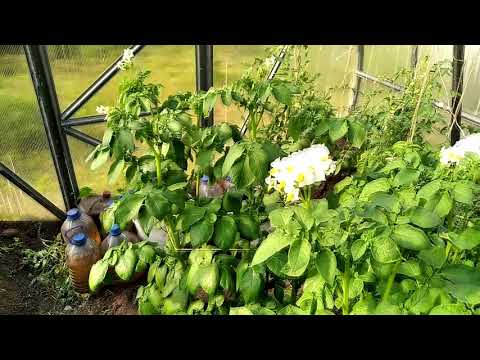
column 228, row 178
column 204, row 179
column 115, row 230
column 78, row 239
column 73, row 214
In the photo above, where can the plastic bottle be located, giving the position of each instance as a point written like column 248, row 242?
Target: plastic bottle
column 115, row 238
column 228, row 184
column 204, row 188
column 94, row 205
column 81, row 254
column 78, row 222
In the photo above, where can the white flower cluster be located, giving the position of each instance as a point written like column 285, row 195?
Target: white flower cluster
column 455, row 153
column 127, row 59
column 300, row 169
column 103, row 110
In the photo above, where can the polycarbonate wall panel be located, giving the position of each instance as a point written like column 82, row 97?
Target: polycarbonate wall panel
column 229, row 63
column 471, row 100
column 23, row 142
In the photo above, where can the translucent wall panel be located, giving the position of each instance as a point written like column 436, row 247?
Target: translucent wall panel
column 335, row 64
column 386, row 60
column 471, row 100
column 230, row 61
column 23, row 144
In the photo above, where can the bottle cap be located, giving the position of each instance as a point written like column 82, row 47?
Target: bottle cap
column 204, row 179
column 228, row 178
column 78, row 239
column 115, row 230
column 73, row 214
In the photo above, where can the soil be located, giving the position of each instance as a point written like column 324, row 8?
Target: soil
column 20, row 295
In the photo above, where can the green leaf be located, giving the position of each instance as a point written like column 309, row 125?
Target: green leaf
column 225, row 232
column 376, row 214
column 356, row 133
column 374, row 186
column 326, row 264
column 292, row 310
column 124, row 140
column 205, row 158
column 191, row 215
column 434, row 257
column 322, row 128
column 233, row 155
column 241, row 310
column 463, row 193
column 208, row 278
column 405, row 177
column 147, row 220
column 444, row 205
column 232, row 201
column 410, row 237
column 248, row 227
column 273, row 243
column 337, row 129
column 157, row 205
column 201, row 232
column 258, row 163
column 277, row 262
column 226, row 97
column 386, row 308
column 429, row 190
column 365, row 306
column 282, row 93
column 450, row 309
column 358, row 249
column 128, row 209
column 385, row 251
column 467, row 239
column 410, row 268
column 177, row 186
column 343, row 184
column 97, row 275
column 84, row 192
column 100, row 159
column 125, row 266
column 209, row 103
column 389, row 202
column 251, row 285
column 424, row 218
column 280, row 217
column 115, row 171
column 463, row 282
column 107, row 136
column 305, row 216
column 298, row 258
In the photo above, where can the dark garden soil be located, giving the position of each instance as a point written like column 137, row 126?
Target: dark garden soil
column 19, row 295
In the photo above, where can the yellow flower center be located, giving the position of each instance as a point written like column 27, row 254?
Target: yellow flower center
column 290, row 168
column 300, row 177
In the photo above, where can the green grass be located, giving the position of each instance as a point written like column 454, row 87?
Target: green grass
column 24, row 144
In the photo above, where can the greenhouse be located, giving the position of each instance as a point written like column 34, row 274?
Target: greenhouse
column 240, row 179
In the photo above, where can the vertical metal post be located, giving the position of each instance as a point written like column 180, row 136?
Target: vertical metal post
column 457, row 88
column 358, row 79
column 413, row 56
column 42, row 79
column 204, row 74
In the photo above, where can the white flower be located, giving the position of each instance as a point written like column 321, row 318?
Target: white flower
column 127, row 59
column 103, row 109
column 302, row 168
column 270, row 61
column 455, row 153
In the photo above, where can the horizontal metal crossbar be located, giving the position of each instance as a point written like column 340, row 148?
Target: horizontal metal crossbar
column 77, row 134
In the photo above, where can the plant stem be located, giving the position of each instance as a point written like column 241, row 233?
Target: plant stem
column 158, row 162
column 390, row 280
column 346, row 285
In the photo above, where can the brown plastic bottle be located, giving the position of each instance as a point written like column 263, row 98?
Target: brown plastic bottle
column 78, row 222
column 81, row 254
column 94, row 205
